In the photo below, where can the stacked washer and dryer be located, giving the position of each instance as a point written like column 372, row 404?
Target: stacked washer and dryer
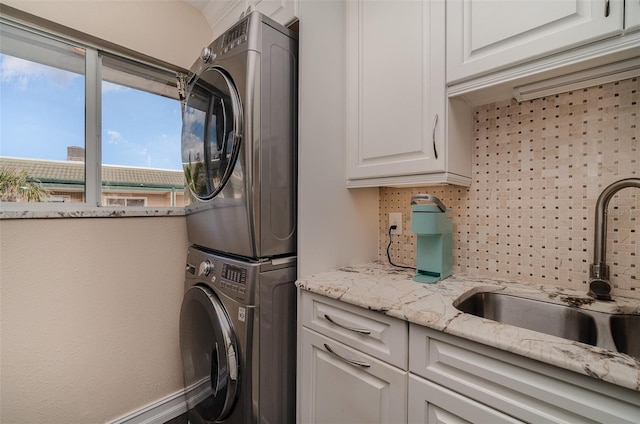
column 238, row 316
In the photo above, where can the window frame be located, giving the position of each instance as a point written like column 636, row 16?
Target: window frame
column 95, row 49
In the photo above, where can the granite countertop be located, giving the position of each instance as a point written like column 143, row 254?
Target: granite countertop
column 381, row 287
column 80, row 211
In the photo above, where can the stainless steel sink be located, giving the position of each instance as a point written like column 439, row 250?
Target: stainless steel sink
column 617, row 332
column 625, row 330
column 549, row 318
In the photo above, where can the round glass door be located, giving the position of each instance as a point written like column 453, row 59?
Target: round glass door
column 209, row 354
column 211, row 132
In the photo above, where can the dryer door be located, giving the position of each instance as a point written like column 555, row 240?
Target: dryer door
column 211, row 132
column 209, row 355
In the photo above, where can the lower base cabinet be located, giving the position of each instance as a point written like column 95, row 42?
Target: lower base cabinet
column 430, row 403
column 343, row 385
column 357, row 366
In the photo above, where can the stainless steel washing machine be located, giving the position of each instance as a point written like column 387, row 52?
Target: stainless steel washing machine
column 239, row 138
column 237, row 337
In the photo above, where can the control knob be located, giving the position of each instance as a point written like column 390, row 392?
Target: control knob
column 207, row 54
column 205, row 268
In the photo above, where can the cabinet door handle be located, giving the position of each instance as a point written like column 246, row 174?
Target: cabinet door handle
column 348, row 361
column 355, row 330
column 607, row 8
column 433, row 135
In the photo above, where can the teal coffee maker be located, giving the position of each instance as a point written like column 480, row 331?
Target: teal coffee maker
column 432, row 224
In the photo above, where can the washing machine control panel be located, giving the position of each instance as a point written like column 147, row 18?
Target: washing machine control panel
column 234, row 278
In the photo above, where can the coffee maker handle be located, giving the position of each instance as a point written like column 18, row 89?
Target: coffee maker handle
column 428, row 198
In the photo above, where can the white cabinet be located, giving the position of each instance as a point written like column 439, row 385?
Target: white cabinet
column 343, row 385
column 496, row 382
column 222, row 14
column 632, row 15
column 430, row 403
column 401, row 129
column 484, row 36
column 352, row 364
column 352, row 368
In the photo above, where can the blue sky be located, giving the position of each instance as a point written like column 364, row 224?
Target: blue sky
column 42, row 112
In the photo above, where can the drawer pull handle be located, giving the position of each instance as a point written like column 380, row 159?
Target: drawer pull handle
column 348, row 361
column 355, row 330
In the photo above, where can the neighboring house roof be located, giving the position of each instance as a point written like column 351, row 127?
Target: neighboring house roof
column 72, row 172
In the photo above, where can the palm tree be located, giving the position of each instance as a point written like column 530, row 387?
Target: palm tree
column 16, row 186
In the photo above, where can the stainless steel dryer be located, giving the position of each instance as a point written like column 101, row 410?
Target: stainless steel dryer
column 239, row 141
column 237, row 337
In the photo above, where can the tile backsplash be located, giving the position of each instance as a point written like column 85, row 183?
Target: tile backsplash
column 538, row 168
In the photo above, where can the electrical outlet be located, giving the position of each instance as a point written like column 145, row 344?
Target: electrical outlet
column 395, row 218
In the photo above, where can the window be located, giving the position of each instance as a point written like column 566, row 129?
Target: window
column 126, row 201
column 85, row 127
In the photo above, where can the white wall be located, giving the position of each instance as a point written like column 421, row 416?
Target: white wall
column 336, row 226
column 169, row 30
column 89, row 313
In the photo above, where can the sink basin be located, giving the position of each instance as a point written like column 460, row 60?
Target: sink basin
column 625, row 330
column 616, row 332
column 549, row 318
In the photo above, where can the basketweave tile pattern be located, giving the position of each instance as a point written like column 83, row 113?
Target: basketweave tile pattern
column 538, row 168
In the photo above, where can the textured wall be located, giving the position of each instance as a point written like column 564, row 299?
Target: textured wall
column 89, row 311
column 538, row 168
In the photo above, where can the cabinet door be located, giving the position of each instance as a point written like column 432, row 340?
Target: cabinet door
column 485, row 35
column 430, row 403
column 632, row 15
column 342, row 385
column 395, row 88
column 282, row 11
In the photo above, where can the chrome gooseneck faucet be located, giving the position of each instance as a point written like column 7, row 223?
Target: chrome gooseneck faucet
column 599, row 285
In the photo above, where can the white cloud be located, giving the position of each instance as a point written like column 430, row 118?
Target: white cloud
column 19, row 72
column 115, row 137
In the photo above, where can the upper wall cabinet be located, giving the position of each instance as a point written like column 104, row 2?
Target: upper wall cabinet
column 401, row 129
column 520, row 41
column 487, row 35
column 222, row 14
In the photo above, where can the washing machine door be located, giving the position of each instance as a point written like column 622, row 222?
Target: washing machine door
column 211, row 132
column 210, row 355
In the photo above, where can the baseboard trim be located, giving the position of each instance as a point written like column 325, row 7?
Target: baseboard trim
column 158, row 412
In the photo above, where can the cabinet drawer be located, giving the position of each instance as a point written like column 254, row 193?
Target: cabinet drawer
column 378, row 335
column 342, row 385
column 430, row 403
column 517, row 386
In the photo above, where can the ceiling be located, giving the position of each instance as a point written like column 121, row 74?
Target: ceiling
column 198, row 4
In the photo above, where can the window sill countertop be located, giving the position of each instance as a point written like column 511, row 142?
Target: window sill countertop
column 97, row 212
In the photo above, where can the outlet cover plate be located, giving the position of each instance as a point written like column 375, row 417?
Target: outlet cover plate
column 395, row 218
